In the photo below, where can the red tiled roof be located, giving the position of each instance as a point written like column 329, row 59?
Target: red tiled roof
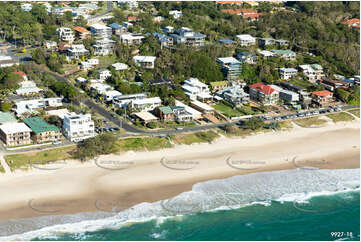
column 20, row 73
column 252, row 16
column 321, row 93
column 132, row 18
column 263, row 88
column 81, row 29
column 350, row 22
column 248, row 11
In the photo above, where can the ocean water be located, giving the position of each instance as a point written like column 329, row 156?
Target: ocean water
column 301, row 204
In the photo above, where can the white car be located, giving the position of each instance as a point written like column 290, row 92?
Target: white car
column 56, row 143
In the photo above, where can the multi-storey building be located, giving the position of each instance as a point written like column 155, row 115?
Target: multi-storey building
column 14, row 134
column 264, row 94
column 231, row 68
column 287, row 73
column 41, row 130
column 78, row 127
column 65, row 34
column 196, row 89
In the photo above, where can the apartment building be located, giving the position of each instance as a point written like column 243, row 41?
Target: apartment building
column 188, row 37
column 41, row 131
column 231, row 67
column 104, row 47
column 81, row 33
column 14, row 134
column 78, row 127
column 287, row 95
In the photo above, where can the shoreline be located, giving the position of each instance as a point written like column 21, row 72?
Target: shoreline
column 135, row 177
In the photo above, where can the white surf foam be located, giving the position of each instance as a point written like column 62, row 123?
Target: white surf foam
column 237, row 191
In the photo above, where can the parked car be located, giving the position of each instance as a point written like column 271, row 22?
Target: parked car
column 56, row 143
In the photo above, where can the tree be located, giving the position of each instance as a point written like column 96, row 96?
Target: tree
column 68, row 16
column 39, row 56
column 5, row 106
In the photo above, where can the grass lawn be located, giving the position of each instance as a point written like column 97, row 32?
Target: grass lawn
column 141, row 144
column 309, row 122
column 285, row 124
column 105, row 61
column 340, row 117
column 355, row 112
column 38, row 157
column 226, row 110
column 199, row 137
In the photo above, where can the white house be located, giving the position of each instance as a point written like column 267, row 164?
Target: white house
column 103, row 74
column 110, row 95
column 196, row 89
column 146, row 104
column 104, row 47
column 246, row 39
column 76, row 51
column 78, row 127
column 65, row 34
column 287, row 73
column 6, row 61
column 50, row 44
column 81, row 80
column 176, row 14
column 146, row 62
column 120, row 66
column 26, row 7
column 266, row 53
column 101, row 31
column 131, row 39
column 100, row 88
column 313, row 72
column 123, row 100
column 89, row 63
column 30, row 106
column 195, row 113
column 27, row 87
column 286, row 95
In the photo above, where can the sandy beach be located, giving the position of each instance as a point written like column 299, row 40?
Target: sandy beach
column 124, row 180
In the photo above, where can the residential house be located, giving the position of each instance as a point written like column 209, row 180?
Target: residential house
column 81, row 33
column 118, row 29
column 161, row 81
column 313, row 72
column 331, row 85
column 6, row 118
column 202, row 107
column 146, row 62
column 181, row 114
column 63, row 47
column 196, row 89
column 282, row 42
column 78, row 127
column 145, row 104
column 14, row 134
column 103, row 74
column 304, row 95
column 123, row 100
column 65, row 34
column 227, row 42
column 90, row 63
column 246, row 40
column 127, row 25
column 132, row 4
column 168, row 29
column 264, row 94
column 165, row 113
column 287, row 73
column 131, row 39
column 81, row 80
column 263, row 42
column 266, row 53
column 120, row 66
column 218, row 85
column 76, row 52
column 235, row 95
column 158, row 19
column 286, row 95
column 100, row 88
column 352, row 23
column 111, row 94
column 26, row 7
column 6, row 61
column 247, row 57
column 176, row 14
column 41, row 131
column 132, row 19
column 250, row 14
column 321, row 98
column 285, row 54
column 144, row 117
column 194, row 113
column 104, row 47
column 30, row 106
column 188, row 37
column 27, row 88
column 50, row 44
column 101, row 31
